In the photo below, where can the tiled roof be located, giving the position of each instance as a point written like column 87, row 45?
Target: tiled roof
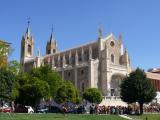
column 154, row 76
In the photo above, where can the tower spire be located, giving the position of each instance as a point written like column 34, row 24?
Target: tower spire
column 52, row 28
column 51, row 46
column 28, row 27
column 52, row 39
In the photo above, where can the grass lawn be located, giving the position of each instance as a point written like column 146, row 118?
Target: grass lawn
column 148, row 116
column 12, row 116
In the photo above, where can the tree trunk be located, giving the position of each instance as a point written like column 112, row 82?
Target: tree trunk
column 141, row 108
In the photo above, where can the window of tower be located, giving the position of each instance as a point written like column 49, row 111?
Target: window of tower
column 29, row 49
column 112, row 58
column 48, row 51
column 112, row 44
column 54, row 50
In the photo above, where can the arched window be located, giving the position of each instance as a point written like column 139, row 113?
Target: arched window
column 29, row 49
column 83, row 87
column 112, row 58
column 112, row 44
column 69, row 74
column 54, row 50
column 82, row 72
column 48, row 52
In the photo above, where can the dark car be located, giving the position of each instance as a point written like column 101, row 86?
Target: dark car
column 21, row 109
column 54, row 109
column 80, row 110
column 43, row 110
column 71, row 110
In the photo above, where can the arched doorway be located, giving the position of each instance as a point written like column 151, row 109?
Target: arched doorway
column 116, row 80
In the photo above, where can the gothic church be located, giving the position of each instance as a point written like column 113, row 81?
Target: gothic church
column 100, row 64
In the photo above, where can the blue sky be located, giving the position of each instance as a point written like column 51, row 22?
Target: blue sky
column 76, row 22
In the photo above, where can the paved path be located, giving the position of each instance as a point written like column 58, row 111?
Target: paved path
column 126, row 117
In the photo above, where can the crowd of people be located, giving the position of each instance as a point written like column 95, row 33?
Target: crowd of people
column 110, row 109
column 152, row 109
column 121, row 109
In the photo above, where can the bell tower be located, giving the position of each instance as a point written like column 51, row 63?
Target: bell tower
column 51, row 46
column 27, row 46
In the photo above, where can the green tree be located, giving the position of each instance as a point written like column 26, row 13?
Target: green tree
column 7, row 79
column 67, row 93
column 137, row 88
column 39, row 83
column 46, row 74
column 31, row 90
column 93, row 95
column 14, row 66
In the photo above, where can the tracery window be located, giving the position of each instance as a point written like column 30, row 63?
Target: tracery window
column 112, row 58
column 29, row 49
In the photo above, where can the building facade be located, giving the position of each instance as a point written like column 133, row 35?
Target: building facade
column 154, row 76
column 100, row 64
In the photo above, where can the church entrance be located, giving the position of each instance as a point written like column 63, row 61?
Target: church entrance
column 116, row 80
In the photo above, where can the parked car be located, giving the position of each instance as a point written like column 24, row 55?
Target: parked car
column 70, row 110
column 30, row 109
column 21, row 109
column 43, row 110
column 54, row 109
column 5, row 109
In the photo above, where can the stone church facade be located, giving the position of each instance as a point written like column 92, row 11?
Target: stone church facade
column 100, row 64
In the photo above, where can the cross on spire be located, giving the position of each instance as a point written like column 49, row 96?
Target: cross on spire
column 28, row 21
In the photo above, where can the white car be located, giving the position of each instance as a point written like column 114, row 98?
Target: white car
column 30, row 109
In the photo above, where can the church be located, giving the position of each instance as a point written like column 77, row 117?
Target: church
column 100, row 64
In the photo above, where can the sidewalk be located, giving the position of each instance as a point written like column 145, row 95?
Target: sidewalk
column 126, row 117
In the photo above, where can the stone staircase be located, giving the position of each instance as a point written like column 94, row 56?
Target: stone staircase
column 112, row 101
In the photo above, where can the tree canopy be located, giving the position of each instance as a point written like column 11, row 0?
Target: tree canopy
column 7, row 80
column 14, row 66
column 39, row 83
column 137, row 88
column 67, row 93
column 93, row 95
column 31, row 90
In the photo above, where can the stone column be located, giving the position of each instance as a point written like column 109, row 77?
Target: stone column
column 59, row 61
column 108, row 73
column 75, row 74
column 38, row 59
column 53, row 62
column 90, row 52
column 63, row 66
column 70, row 56
column 64, row 61
column 82, row 54
column 76, row 58
column 91, row 74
